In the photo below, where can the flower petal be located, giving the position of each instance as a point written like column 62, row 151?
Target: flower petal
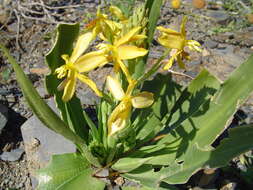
column 194, row 45
column 70, row 86
column 124, row 69
column 167, row 30
column 90, row 83
column 114, row 26
column 90, row 61
column 138, row 37
column 127, row 37
column 119, row 116
column 182, row 27
column 172, row 41
column 142, row 100
column 115, row 88
column 82, row 44
column 180, row 61
column 117, row 12
column 130, row 52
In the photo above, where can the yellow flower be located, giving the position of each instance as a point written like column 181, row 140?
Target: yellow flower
column 77, row 64
column 120, row 50
column 118, row 13
column 103, row 26
column 175, row 4
column 177, row 40
column 120, row 115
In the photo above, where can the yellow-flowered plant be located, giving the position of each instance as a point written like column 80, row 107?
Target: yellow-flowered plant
column 153, row 132
column 177, row 41
column 120, row 115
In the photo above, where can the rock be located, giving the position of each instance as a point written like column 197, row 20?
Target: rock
column 229, row 56
column 220, row 17
column 205, row 52
column 211, row 44
column 13, row 155
column 41, row 143
column 3, row 116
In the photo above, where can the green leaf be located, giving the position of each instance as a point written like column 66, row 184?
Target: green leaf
column 147, row 122
column 166, row 93
column 181, row 104
column 239, row 141
column 154, row 8
column 232, row 94
column 93, row 127
column 206, row 124
column 144, row 175
column 45, row 114
column 68, row 171
column 163, row 186
column 194, row 98
column 129, row 164
column 71, row 111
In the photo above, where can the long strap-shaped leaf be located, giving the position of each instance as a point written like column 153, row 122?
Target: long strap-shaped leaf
column 154, row 9
column 239, row 141
column 204, row 127
column 44, row 112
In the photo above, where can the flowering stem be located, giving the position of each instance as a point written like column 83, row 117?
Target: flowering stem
column 154, row 68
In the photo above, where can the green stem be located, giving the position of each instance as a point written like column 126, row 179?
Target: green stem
column 154, row 68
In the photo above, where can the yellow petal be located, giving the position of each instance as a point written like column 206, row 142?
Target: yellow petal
column 65, row 57
column 115, row 88
column 127, row 37
column 70, row 86
column 130, row 52
column 90, row 61
column 137, row 37
column 114, row 26
column 131, row 87
column 180, row 61
column 117, row 12
column 167, row 30
column 119, row 116
column 174, row 56
column 172, row 41
column 194, row 45
column 124, row 69
column 142, row 100
column 182, row 27
column 169, row 64
column 90, row 83
column 82, row 44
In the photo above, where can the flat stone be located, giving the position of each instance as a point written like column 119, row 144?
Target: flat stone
column 13, row 155
column 3, row 116
column 229, row 56
column 41, row 143
column 220, row 17
column 211, row 44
